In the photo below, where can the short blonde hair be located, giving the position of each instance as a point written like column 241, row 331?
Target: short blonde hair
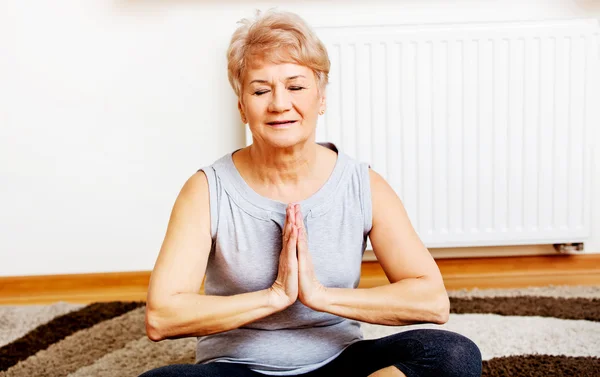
column 278, row 37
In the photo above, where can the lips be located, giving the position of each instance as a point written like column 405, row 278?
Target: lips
column 281, row 122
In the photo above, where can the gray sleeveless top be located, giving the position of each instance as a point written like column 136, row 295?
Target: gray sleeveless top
column 246, row 242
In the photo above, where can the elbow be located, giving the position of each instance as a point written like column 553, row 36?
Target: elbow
column 154, row 330
column 441, row 312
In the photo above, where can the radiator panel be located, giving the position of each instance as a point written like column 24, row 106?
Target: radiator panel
column 482, row 130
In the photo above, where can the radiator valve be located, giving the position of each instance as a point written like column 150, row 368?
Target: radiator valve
column 569, row 248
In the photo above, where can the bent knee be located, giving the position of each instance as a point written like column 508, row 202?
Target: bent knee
column 458, row 356
column 446, row 353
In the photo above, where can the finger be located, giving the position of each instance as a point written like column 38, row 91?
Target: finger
column 287, row 226
column 293, row 240
column 293, row 214
column 298, row 217
column 290, row 246
column 286, row 222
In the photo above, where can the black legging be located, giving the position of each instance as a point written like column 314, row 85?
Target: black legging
column 417, row 353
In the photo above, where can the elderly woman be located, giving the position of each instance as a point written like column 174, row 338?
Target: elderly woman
column 280, row 227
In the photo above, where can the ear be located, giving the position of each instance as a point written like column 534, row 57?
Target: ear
column 244, row 120
column 322, row 104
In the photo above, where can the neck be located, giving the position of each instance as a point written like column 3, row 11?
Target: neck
column 283, row 166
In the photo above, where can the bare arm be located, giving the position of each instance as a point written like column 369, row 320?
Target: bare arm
column 175, row 309
column 416, row 293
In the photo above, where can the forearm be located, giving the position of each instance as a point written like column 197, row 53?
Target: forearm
column 408, row 301
column 190, row 314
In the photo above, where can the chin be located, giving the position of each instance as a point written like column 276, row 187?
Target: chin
column 284, row 141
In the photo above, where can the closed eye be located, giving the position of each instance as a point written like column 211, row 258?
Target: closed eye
column 294, row 88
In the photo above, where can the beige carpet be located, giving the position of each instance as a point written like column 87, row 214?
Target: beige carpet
column 551, row 331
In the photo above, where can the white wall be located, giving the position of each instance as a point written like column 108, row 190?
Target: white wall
column 107, row 107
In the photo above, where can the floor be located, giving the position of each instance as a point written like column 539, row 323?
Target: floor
column 458, row 273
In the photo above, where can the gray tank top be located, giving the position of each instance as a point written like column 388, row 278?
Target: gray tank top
column 246, row 242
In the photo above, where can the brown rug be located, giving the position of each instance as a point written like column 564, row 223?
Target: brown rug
column 551, row 331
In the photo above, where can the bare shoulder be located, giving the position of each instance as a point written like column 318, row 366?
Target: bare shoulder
column 386, row 203
column 381, row 191
column 195, row 188
column 193, row 202
column 377, row 181
column 192, row 206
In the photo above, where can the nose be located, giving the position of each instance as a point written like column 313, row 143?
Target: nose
column 280, row 101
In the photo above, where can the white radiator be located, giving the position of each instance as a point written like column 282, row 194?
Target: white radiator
column 483, row 130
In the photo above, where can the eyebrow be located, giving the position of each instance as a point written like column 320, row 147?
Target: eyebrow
column 287, row 79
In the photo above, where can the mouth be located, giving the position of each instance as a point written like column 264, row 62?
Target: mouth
column 281, row 123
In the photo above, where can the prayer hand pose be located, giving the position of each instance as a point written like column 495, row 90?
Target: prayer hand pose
column 296, row 278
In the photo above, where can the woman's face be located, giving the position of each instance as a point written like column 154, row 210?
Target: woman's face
column 281, row 103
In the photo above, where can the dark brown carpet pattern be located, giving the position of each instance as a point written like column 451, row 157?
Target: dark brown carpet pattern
column 570, row 308
column 542, row 366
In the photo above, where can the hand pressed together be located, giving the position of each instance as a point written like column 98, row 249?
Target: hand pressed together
column 296, row 278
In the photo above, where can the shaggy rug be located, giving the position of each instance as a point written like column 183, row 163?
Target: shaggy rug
column 550, row 331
